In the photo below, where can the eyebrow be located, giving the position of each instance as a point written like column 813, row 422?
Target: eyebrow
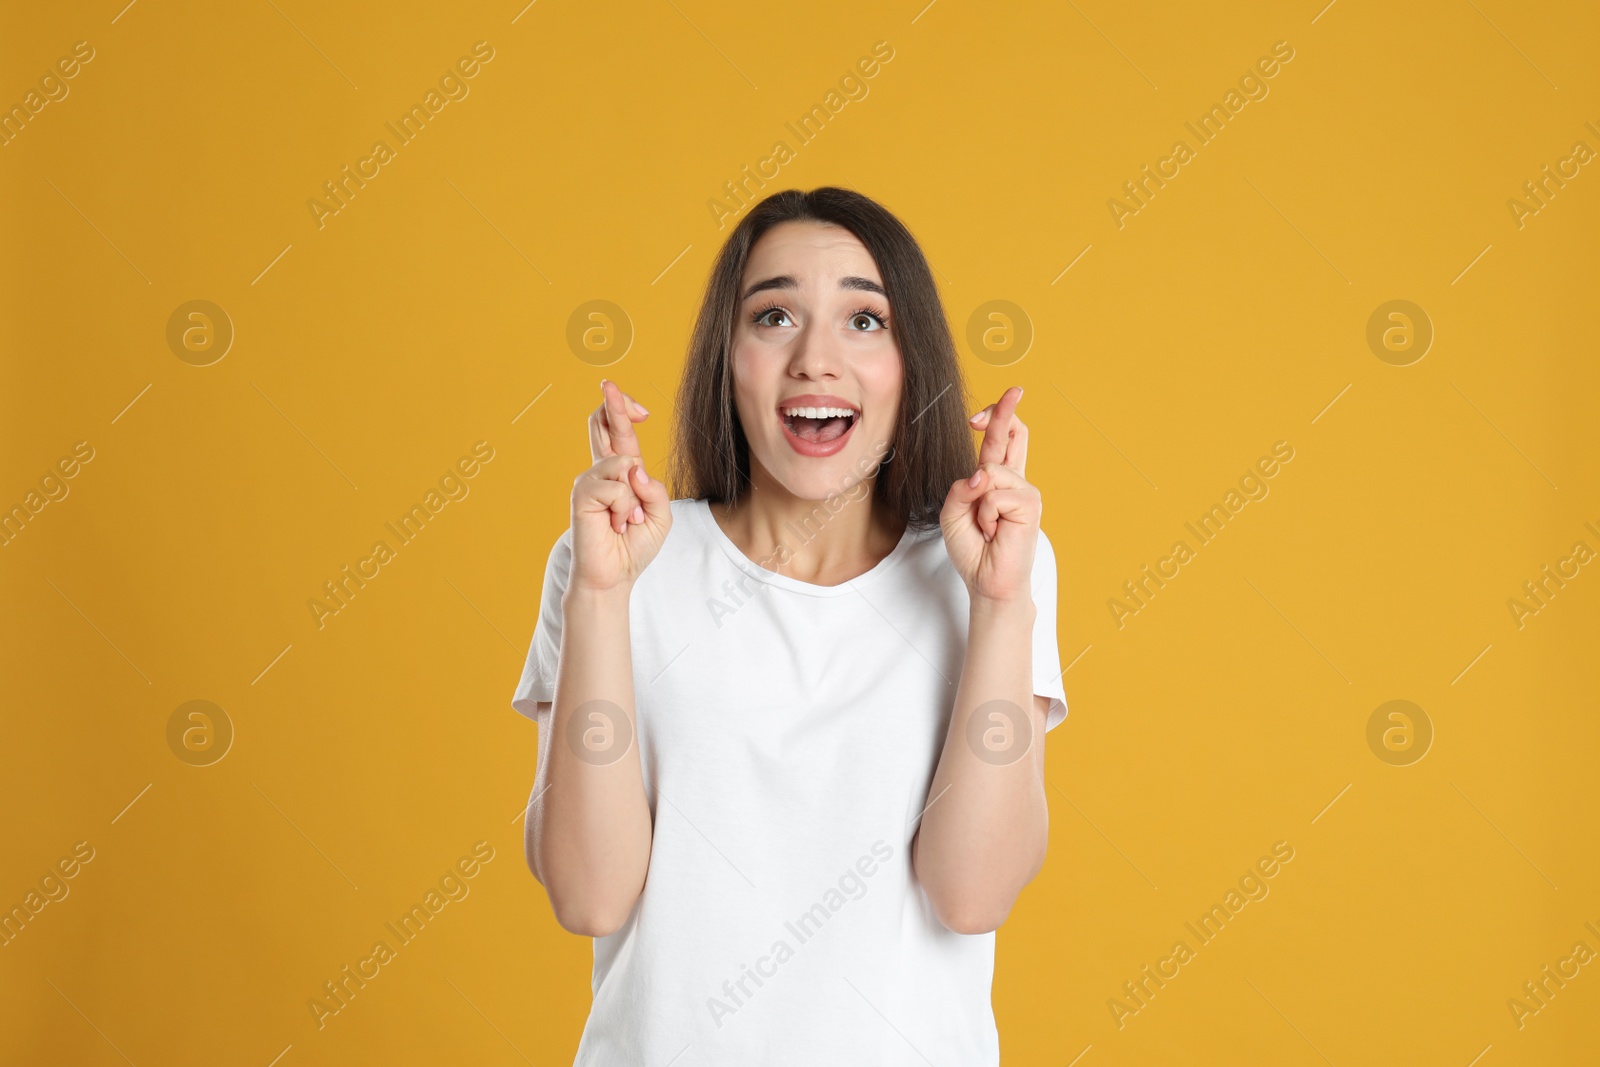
column 786, row 281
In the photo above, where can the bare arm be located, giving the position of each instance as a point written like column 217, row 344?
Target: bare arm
column 588, row 828
column 985, row 829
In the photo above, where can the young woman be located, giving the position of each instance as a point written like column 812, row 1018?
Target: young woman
column 792, row 712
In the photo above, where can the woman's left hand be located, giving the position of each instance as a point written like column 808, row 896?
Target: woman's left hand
column 991, row 520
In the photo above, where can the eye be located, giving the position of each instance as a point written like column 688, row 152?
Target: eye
column 871, row 315
column 759, row 316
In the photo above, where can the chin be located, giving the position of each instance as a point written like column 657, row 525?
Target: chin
column 818, row 478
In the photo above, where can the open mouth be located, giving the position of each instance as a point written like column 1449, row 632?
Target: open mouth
column 817, row 430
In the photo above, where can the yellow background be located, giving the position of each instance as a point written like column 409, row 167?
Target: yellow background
column 370, row 354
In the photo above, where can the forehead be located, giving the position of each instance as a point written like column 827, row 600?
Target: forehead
column 814, row 254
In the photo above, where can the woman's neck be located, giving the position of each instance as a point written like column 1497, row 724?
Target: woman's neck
column 821, row 542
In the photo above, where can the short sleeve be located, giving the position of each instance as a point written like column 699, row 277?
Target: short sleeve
column 1046, row 655
column 538, row 682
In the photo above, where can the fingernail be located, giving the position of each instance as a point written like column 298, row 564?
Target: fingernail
column 976, row 417
column 977, row 476
column 641, row 407
column 638, row 514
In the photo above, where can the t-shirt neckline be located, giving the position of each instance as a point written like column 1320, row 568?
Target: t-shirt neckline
column 702, row 509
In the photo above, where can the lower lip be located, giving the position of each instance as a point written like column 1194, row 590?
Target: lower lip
column 817, row 449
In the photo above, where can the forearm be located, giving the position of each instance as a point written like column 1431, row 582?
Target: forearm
column 589, row 828
column 983, row 835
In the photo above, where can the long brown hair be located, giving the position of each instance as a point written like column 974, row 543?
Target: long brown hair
column 932, row 442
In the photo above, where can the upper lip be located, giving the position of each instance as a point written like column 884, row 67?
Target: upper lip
column 817, row 400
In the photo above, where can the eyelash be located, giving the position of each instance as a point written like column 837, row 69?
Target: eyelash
column 879, row 317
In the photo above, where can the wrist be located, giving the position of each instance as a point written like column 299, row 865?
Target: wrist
column 584, row 596
column 1002, row 609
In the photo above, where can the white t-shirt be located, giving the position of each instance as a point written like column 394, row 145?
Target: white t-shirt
column 788, row 734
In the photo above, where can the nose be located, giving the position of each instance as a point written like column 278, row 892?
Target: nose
column 816, row 355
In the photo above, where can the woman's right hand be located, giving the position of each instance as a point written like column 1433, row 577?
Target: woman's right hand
column 620, row 515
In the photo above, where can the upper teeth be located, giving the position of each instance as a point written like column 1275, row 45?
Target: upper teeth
column 820, row 413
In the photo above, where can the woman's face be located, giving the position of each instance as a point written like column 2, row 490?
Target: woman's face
column 816, row 368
